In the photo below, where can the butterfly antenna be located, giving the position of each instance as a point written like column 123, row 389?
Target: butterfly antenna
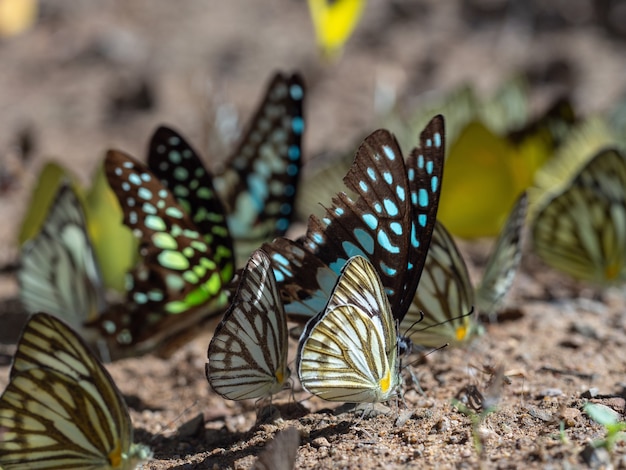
column 423, row 356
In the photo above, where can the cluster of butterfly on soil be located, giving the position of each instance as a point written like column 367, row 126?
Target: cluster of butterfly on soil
column 352, row 277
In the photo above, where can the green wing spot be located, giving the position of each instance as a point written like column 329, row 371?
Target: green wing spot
column 174, row 212
column 214, row 284
column 223, row 252
column 190, row 277
column 200, row 271
column 174, row 282
column 181, row 173
column 220, row 230
column 164, row 241
column 173, row 260
column 205, row 193
column 154, row 222
column 199, row 246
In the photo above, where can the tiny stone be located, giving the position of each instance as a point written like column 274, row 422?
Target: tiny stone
column 320, row 442
column 596, row 457
column 570, row 416
column 550, row 392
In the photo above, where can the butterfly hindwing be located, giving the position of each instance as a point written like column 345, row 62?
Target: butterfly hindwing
column 582, row 228
column 61, row 408
column 248, row 352
column 348, row 352
column 59, row 272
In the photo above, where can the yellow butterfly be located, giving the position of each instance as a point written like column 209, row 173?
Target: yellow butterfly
column 334, row 21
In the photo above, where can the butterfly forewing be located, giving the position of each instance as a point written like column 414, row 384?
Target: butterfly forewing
column 248, row 352
column 503, row 262
column 258, row 184
column 178, row 273
column 181, row 170
column 445, row 296
column 582, row 229
column 59, row 272
column 61, row 409
column 349, row 351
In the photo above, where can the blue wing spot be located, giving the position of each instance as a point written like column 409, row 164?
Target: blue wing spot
column 384, row 241
column 174, row 140
column 364, row 186
column 337, row 265
column 289, row 190
column 285, row 209
column 388, row 177
column 371, row 221
column 258, row 191
column 293, row 152
column 415, row 243
column 411, row 174
column 413, row 198
column 377, row 207
column 278, row 275
column 326, row 221
column 437, row 138
column 396, row 228
column 390, row 207
column 163, row 193
column 371, row 173
column 400, row 193
column 338, row 211
column 429, row 167
column 365, row 239
column 350, row 249
column 146, row 177
column 423, row 197
column 429, row 142
column 135, row 179
column 317, row 238
column 282, row 225
column 296, row 92
column 280, row 259
column 297, row 125
column 422, row 219
column 389, row 271
column 125, row 186
column 420, row 161
column 292, row 169
column 389, row 152
column 118, row 171
column 434, row 184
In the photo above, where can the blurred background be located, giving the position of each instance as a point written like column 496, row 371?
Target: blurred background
column 78, row 78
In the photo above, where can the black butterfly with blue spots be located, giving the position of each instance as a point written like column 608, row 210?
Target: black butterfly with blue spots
column 390, row 223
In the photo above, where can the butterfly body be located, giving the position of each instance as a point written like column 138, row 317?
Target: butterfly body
column 349, row 351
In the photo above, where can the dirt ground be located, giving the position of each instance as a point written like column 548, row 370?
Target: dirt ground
column 70, row 82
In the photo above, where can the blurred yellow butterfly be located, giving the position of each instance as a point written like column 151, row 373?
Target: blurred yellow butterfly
column 333, row 22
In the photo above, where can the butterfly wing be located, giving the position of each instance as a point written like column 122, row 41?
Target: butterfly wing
column 445, row 296
column 61, row 409
column 59, row 272
column 391, row 220
column 178, row 279
column 349, row 351
column 582, row 229
column 181, row 170
column 503, row 262
column 258, row 184
column 248, row 352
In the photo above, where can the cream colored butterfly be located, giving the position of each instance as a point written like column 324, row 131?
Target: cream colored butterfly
column 445, row 295
column 581, row 228
column 248, row 352
column 349, row 351
column 61, row 408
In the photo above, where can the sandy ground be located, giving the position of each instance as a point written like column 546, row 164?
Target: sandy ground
column 65, row 81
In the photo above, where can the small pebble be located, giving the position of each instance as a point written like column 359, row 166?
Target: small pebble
column 320, row 442
column 591, row 393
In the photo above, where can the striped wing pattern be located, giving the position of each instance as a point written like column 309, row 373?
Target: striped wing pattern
column 178, row 276
column 258, row 184
column 61, row 408
column 503, row 262
column 248, row 352
column 349, row 351
column 390, row 222
column 581, row 230
column 445, row 296
column 59, row 272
